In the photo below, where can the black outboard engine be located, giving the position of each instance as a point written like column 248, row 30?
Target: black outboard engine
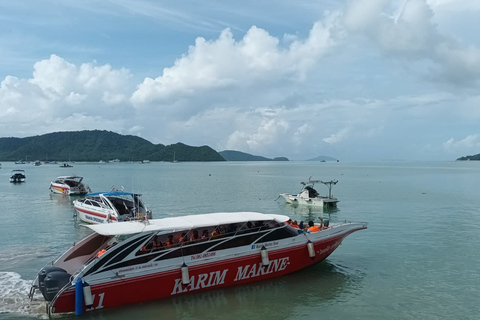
column 54, row 282
column 43, row 273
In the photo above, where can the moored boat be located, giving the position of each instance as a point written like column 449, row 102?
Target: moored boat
column 69, row 185
column 137, row 261
column 105, row 207
column 310, row 197
column 17, row 175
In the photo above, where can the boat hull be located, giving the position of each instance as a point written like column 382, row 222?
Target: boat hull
column 209, row 274
column 314, row 202
column 94, row 216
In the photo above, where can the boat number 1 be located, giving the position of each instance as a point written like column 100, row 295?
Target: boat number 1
column 100, row 302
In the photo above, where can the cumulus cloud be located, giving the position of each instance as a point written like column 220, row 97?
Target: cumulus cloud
column 337, row 137
column 255, row 59
column 468, row 144
column 61, row 95
column 408, row 31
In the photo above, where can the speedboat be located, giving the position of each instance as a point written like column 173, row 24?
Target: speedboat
column 137, row 261
column 115, row 206
column 17, row 175
column 65, row 165
column 310, row 197
column 69, row 185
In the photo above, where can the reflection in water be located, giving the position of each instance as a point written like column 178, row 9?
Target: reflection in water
column 281, row 298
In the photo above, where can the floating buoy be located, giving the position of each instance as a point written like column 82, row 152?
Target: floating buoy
column 264, row 254
column 87, row 295
column 311, row 249
column 185, row 276
column 78, row 297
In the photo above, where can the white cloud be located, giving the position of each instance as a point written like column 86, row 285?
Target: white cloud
column 408, row 31
column 61, row 95
column 256, row 59
column 337, row 137
column 469, row 144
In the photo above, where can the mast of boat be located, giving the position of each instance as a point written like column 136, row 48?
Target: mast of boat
column 329, row 184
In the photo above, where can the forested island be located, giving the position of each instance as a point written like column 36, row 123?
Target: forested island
column 232, row 155
column 95, row 145
column 474, row 157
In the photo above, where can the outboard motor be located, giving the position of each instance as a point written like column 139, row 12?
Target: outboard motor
column 54, row 282
column 43, row 273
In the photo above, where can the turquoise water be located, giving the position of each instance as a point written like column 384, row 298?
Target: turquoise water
column 417, row 260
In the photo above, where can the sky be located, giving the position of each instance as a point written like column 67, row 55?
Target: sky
column 363, row 80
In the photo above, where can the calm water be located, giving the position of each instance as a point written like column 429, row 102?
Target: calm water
column 419, row 258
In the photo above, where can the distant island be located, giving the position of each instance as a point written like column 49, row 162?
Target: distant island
column 95, row 145
column 323, row 158
column 232, row 155
column 467, row 158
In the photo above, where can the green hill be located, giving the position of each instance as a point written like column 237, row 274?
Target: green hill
column 474, row 157
column 323, row 158
column 98, row 145
column 232, row 155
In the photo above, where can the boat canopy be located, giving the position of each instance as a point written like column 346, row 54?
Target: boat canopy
column 183, row 223
column 69, row 178
column 112, row 194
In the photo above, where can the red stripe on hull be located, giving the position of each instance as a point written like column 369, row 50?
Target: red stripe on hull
column 203, row 277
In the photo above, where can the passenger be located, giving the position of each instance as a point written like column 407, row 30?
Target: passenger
column 295, row 224
column 289, row 222
column 169, row 242
column 183, row 237
column 249, row 225
column 101, row 252
column 194, row 236
column 205, row 234
column 313, row 227
column 216, row 233
column 301, row 225
column 232, row 228
column 322, row 225
column 157, row 244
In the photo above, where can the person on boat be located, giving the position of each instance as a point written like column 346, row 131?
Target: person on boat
column 322, row 225
column 195, row 236
column 101, row 252
column 169, row 242
column 205, row 234
column 183, row 237
column 289, row 222
column 156, row 243
column 295, row 224
column 312, row 227
column 216, row 233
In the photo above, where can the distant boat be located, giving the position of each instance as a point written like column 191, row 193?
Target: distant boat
column 20, row 162
column 18, row 176
column 65, row 165
column 174, row 160
column 37, row 163
column 146, row 161
column 101, row 161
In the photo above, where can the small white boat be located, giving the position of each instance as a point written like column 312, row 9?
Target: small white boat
column 69, row 185
column 310, row 197
column 138, row 261
column 65, row 165
column 17, row 176
column 146, row 161
column 105, row 207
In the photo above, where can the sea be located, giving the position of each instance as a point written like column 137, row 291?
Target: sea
column 418, row 259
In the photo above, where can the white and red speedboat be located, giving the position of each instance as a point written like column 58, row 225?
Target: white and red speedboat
column 137, row 261
column 115, row 206
column 69, row 185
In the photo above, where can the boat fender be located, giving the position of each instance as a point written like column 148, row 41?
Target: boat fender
column 185, row 275
column 87, row 295
column 264, row 254
column 311, row 249
column 78, row 297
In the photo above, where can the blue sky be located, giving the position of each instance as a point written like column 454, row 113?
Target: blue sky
column 356, row 80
